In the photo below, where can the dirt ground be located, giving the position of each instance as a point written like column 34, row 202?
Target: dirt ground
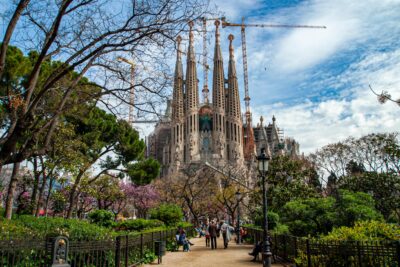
column 202, row 256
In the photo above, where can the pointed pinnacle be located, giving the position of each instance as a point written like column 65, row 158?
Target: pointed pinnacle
column 191, row 36
column 230, row 38
column 179, row 40
column 217, row 23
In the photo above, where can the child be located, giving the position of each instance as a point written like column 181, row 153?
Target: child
column 207, row 234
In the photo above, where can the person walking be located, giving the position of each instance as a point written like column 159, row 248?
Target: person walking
column 226, row 233
column 207, row 234
column 212, row 229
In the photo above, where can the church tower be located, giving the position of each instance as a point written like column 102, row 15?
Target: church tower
column 218, row 99
column 191, row 149
column 234, row 122
column 178, row 115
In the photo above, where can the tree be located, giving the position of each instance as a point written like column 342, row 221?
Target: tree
column 314, row 216
column 144, row 198
column 103, row 136
column 372, row 152
column 288, row 179
column 383, row 187
column 226, row 197
column 384, row 96
column 71, row 30
column 170, row 214
column 193, row 188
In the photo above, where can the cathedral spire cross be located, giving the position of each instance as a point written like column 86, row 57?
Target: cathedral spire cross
column 217, row 34
column 230, row 38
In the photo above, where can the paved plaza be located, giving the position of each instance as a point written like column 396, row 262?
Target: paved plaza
column 202, row 256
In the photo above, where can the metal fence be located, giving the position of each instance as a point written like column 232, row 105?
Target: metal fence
column 122, row 251
column 316, row 253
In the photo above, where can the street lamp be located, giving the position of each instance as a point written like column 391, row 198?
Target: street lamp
column 263, row 160
column 238, row 198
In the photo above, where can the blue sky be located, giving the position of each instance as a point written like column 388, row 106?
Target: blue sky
column 316, row 81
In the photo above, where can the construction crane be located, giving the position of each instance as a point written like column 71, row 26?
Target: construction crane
column 131, row 92
column 249, row 145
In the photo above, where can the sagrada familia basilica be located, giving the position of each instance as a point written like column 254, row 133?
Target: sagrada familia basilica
column 216, row 132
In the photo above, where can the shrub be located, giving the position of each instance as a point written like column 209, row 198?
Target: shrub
column 365, row 231
column 13, row 229
column 27, row 226
column 148, row 256
column 314, row 216
column 272, row 217
column 356, row 206
column 102, row 218
column 170, row 214
column 281, row 229
column 138, row 224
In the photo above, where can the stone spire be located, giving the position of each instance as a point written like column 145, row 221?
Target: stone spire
column 218, row 99
column 234, row 122
column 218, row 74
column 178, row 113
column 192, row 94
column 233, row 87
column 191, row 103
column 177, row 101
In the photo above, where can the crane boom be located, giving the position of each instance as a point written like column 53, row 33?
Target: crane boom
column 227, row 24
column 249, row 135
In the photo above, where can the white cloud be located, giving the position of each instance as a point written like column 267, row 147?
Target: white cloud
column 235, row 9
column 349, row 24
column 317, row 124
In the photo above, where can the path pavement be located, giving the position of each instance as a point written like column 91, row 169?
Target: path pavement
column 202, row 256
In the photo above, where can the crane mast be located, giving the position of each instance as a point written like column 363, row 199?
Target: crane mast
column 245, row 73
column 205, row 65
column 249, row 141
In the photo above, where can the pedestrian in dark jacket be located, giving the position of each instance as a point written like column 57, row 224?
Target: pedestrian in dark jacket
column 212, row 229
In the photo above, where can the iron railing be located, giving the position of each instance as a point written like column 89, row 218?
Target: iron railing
column 317, row 253
column 122, row 251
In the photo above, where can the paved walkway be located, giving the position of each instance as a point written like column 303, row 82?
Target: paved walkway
column 202, row 256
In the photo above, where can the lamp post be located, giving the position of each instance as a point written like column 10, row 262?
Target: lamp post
column 238, row 197
column 263, row 160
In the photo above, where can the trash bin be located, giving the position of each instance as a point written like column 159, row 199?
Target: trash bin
column 159, row 249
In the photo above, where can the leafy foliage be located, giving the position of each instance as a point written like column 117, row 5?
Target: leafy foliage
column 102, row 218
column 316, row 216
column 143, row 172
column 138, row 224
column 272, row 217
column 170, row 214
column 364, row 231
column 27, row 226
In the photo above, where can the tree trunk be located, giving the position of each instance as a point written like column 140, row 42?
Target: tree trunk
column 46, row 206
column 71, row 200
column 11, row 191
column 10, row 29
column 36, row 174
column 41, row 191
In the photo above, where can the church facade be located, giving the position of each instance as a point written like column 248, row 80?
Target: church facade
column 194, row 133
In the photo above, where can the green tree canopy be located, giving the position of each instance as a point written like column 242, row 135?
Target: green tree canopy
column 314, row 216
column 170, row 214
